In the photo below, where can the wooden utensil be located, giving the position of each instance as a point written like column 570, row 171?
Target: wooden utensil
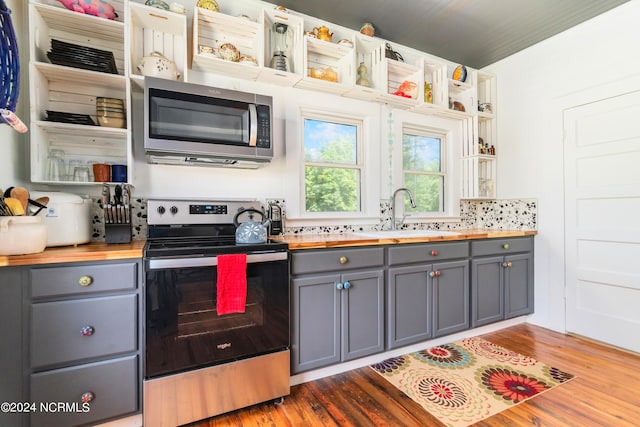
column 22, row 195
column 14, row 205
column 40, row 203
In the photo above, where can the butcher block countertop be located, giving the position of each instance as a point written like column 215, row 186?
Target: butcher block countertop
column 320, row 241
column 103, row 251
column 86, row 252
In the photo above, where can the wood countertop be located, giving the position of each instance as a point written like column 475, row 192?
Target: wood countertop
column 103, row 251
column 319, row 241
column 86, row 252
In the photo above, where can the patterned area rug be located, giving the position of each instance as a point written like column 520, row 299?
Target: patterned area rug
column 467, row 381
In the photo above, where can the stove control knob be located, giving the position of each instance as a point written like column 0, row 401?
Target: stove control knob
column 174, row 210
column 160, row 210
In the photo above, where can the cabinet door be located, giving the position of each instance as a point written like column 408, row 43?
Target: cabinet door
column 518, row 293
column 362, row 322
column 487, row 291
column 11, row 370
column 450, row 297
column 408, row 305
column 315, row 322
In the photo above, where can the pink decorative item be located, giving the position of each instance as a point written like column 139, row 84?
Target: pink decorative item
column 98, row 8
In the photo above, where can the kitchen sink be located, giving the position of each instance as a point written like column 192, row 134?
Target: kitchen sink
column 404, row 234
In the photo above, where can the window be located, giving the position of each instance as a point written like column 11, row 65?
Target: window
column 424, row 170
column 333, row 164
column 425, row 159
column 332, row 173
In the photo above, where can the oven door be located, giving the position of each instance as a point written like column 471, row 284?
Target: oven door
column 183, row 330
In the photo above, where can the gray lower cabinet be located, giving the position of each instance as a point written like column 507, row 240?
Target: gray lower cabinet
column 11, row 344
column 427, row 295
column 337, row 306
column 501, row 279
column 84, row 341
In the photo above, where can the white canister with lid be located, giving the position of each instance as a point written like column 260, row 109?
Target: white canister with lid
column 67, row 216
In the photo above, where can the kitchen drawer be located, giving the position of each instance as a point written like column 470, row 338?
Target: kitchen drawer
column 335, row 260
column 110, row 325
column 501, row 246
column 113, row 383
column 406, row 254
column 82, row 279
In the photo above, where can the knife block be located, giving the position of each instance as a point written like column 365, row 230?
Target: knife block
column 117, row 232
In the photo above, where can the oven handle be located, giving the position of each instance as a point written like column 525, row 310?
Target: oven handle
column 162, row 263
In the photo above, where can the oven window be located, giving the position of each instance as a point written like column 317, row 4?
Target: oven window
column 184, row 331
column 177, row 116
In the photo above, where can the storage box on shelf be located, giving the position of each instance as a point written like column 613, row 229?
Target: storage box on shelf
column 72, row 90
column 487, row 109
column 156, row 30
column 479, row 177
column 390, row 74
column 479, row 149
column 283, row 32
column 331, row 62
column 461, row 95
column 369, row 53
column 213, row 29
column 435, row 87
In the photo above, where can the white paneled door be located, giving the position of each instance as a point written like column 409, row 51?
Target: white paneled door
column 602, row 220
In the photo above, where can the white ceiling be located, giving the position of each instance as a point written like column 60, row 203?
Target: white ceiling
column 471, row 32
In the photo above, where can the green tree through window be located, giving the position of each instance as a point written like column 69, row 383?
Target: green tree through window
column 423, row 170
column 332, row 166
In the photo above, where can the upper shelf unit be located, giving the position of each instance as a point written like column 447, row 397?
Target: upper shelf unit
column 213, row 30
column 151, row 31
column 69, row 69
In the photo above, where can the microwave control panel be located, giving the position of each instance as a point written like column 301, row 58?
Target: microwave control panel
column 264, row 126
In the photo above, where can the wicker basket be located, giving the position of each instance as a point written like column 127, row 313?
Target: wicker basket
column 9, row 62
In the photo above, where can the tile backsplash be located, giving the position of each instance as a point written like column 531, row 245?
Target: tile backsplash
column 507, row 214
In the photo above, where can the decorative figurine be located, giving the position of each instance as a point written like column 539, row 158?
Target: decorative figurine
column 363, row 80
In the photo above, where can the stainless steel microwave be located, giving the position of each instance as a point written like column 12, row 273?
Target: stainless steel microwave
column 191, row 124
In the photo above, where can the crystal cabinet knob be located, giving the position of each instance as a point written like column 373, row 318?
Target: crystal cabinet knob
column 434, row 253
column 347, row 285
column 85, row 281
column 505, row 246
column 87, row 397
column 507, row 264
column 343, row 260
column 435, row 273
column 339, row 286
column 87, row 330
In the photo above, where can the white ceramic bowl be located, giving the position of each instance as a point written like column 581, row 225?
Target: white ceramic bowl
column 21, row 235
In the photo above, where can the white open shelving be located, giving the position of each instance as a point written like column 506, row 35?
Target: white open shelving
column 140, row 30
column 73, row 90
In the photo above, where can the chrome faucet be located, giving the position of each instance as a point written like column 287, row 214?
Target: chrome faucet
column 393, row 205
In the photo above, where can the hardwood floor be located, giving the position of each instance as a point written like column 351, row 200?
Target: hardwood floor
column 605, row 392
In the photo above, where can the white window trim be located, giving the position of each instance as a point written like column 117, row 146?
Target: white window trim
column 452, row 131
column 369, row 150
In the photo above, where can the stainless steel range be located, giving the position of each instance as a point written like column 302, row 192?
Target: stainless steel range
column 200, row 362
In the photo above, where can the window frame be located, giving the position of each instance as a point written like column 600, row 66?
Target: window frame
column 428, row 132
column 368, row 156
column 453, row 131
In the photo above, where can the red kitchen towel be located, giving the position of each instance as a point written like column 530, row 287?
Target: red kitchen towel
column 232, row 283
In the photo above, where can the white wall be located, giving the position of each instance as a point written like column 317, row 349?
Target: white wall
column 587, row 62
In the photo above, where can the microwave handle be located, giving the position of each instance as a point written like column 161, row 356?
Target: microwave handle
column 253, row 125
